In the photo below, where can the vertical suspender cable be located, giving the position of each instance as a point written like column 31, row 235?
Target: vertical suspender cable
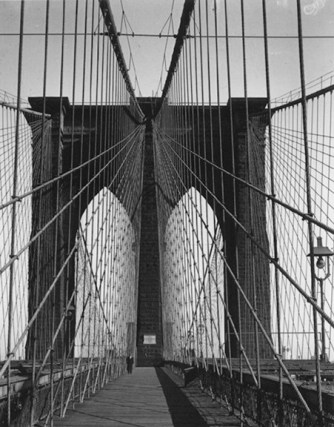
column 229, row 86
column 273, row 205
column 210, row 245
column 188, row 271
column 97, row 195
column 95, row 226
column 200, row 145
column 221, row 164
column 236, row 251
column 81, row 258
column 13, row 213
column 70, row 237
column 309, row 204
column 194, row 168
column 100, row 228
column 188, row 275
column 191, row 163
column 38, row 273
column 61, row 84
column 90, row 168
column 248, row 172
column 107, row 225
column 198, row 176
column 57, row 243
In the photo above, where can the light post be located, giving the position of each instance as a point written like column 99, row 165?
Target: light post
column 323, row 254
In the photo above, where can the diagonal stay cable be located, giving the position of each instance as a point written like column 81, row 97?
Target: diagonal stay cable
column 269, row 257
column 271, row 197
column 20, row 197
column 15, row 256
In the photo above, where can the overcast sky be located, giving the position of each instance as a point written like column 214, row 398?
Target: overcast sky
column 149, row 16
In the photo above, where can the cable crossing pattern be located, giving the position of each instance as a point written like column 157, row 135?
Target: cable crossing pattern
column 244, row 200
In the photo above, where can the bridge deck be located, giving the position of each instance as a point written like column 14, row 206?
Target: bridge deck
column 148, row 397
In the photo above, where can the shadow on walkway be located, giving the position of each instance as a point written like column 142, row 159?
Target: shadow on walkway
column 181, row 410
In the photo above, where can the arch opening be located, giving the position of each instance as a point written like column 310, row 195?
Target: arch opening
column 105, row 276
column 193, row 281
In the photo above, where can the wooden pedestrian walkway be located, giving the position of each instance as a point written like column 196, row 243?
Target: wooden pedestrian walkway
column 148, row 397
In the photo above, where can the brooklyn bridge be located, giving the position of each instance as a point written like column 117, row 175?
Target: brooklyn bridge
column 189, row 229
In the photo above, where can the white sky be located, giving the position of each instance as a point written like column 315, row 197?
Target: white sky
column 149, row 16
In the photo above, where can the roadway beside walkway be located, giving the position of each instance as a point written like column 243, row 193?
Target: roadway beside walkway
column 148, row 397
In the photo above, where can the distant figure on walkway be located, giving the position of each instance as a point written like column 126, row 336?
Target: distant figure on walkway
column 129, row 363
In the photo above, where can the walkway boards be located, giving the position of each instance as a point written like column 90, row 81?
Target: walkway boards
column 148, row 397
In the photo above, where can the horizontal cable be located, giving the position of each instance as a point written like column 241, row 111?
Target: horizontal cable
column 219, row 36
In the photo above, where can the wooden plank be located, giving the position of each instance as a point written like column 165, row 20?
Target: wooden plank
column 146, row 398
